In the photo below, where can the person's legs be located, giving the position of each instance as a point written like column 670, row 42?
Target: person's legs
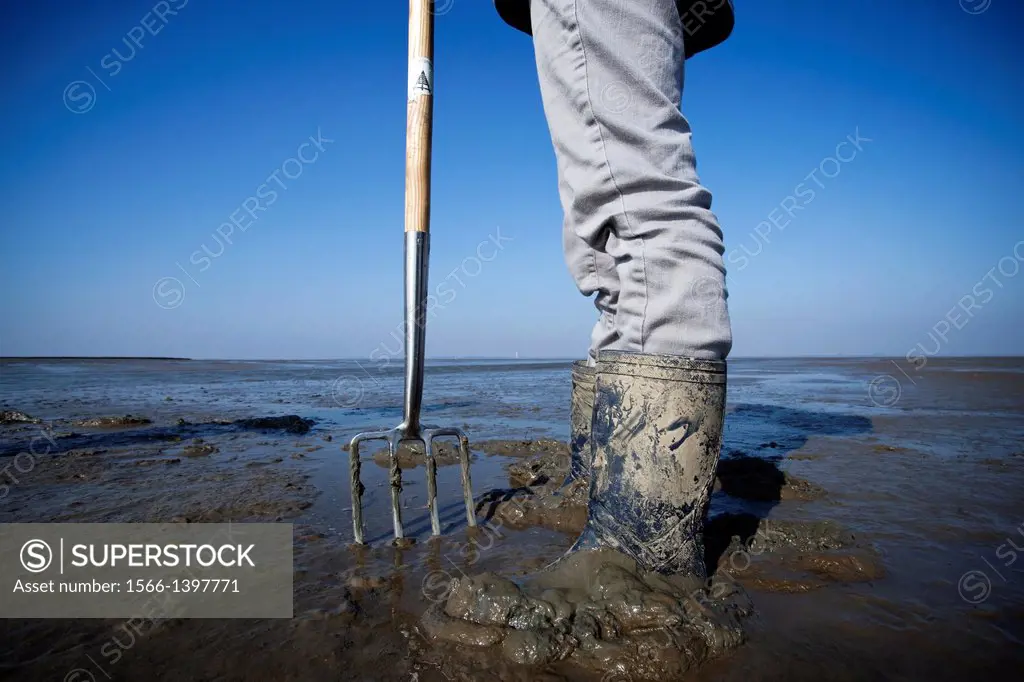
column 640, row 234
column 611, row 76
column 591, row 266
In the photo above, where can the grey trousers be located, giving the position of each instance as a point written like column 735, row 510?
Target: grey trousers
column 639, row 231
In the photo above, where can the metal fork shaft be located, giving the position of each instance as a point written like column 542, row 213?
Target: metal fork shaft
column 417, row 259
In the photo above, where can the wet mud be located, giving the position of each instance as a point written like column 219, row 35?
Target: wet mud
column 157, row 480
column 756, row 478
column 17, row 417
column 410, row 455
column 289, row 423
column 867, row 543
column 787, row 556
column 113, row 422
column 648, row 624
column 598, row 609
column 58, row 435
column 539, row 495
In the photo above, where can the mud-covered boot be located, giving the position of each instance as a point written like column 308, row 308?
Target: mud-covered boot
column 631, row 594
column 581, row 413
column 657, row 434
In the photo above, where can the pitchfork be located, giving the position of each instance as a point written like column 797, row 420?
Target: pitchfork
column 419, row 125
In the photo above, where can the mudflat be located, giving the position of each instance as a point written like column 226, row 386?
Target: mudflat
column 871, row 511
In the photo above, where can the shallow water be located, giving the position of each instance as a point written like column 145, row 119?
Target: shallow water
column 924, row 466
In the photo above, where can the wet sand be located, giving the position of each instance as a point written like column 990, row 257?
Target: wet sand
column 875, row 541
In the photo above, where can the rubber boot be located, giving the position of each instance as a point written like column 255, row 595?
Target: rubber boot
column 656, row 434
column 581, row 412
column 656, row 437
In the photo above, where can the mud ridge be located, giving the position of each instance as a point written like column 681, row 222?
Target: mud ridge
column 17, row 417
column 113, row 422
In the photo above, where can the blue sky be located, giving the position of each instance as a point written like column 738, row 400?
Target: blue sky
column 120, row 166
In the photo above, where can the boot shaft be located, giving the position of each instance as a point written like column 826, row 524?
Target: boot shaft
column 656, row 437
column 581, row 411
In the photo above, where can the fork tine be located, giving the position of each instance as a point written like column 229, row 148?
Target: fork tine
column 395, row 437
column 467, row 485
column 435, row 521
column 396, row 489
column 357, row 490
